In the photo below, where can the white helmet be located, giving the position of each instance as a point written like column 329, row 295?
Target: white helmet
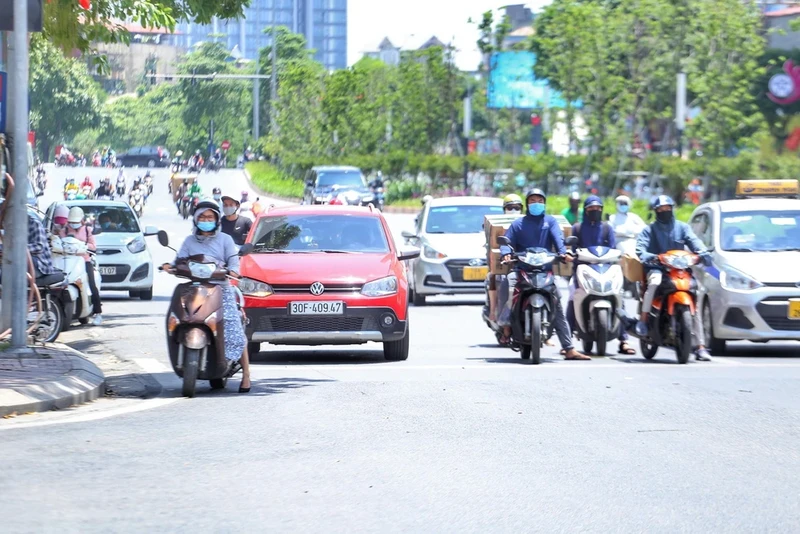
column 623, row 199
column 75, row 215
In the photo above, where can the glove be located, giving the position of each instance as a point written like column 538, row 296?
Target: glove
column 706, row 259
column 647, row 257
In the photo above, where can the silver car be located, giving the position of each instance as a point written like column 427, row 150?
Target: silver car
column 752, row 290
column 449, row 232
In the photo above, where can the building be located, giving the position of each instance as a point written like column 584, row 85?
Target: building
column 154, row 51
column 779, row 32
column 518, row 38
column 387, row 52
column 519, row 16
column 322, row 22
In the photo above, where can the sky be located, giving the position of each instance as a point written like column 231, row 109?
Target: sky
column 409, row 23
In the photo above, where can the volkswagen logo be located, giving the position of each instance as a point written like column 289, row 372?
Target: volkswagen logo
column 317, row 289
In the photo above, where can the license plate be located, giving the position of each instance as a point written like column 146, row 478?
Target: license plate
column 316, row 308
column 794, row 309
column 475, row 273
column 107, row 270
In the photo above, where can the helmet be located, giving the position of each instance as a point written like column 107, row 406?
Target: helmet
column 186, row 181
column 75, row 215
column 512, row 200
column 207, row 205
column 246, row 206
column 623, row 199
column 60, row 214
column 592, row 200
column 245, row 194
column 535, row 191
column 216, row 191
column 574, row 196
column 147, row 174
column 660, row 201
column 197, row 152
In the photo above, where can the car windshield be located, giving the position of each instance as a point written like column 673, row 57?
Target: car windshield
column 320, row 233
column 346, row 178
column 760, row 231
column 459, row 219
column 112, row 219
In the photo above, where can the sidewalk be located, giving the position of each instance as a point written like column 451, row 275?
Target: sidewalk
column 54, row 377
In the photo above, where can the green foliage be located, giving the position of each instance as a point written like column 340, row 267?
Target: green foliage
column 273, row 181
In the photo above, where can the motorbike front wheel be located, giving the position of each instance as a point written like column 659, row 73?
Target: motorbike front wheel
column 52, row 323
column 191, row 364
column 536, row 336
column 684, row 336
column 601, row 331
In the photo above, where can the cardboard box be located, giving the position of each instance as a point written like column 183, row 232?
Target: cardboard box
column 495, row 265
column 496, row 225
column 564, row 269
column 632, row 268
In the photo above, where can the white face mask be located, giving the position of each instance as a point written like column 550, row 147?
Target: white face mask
column 229, row 210
column 74, row 226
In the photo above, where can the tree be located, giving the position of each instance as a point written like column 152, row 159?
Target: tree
column 63, row 97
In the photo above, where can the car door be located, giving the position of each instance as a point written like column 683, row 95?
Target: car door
column 133, row 155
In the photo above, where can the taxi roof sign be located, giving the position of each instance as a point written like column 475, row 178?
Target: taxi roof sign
column 767, row 188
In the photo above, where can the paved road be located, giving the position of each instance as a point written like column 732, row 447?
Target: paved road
column 461, row 437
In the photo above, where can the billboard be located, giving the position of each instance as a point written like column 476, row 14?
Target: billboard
column 513, row 85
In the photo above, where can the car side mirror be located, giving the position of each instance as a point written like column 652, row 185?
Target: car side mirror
column 503, row 240
column 408, row 253
column 96, row 230
column 571, row 241
column 246, row 249
column 163, row 238
column 40, row 194
column 408, row 235
column 150, row 230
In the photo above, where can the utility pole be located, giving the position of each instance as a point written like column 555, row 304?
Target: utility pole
column 680, row 110
column 273, row 83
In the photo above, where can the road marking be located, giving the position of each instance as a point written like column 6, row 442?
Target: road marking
column 728, row 361
column 151, row 365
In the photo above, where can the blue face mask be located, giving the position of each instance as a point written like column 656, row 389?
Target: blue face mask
column 206, row 226
column 623, row 208
column 536, row 209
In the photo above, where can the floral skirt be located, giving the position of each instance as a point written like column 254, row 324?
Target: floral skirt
column 235, row 338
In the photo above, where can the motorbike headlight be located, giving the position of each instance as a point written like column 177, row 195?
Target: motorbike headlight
column 137, row 245
column 617, row 278
column 731, row 278
column 367, row 198
column 682, row 261
column 589, row 282
column 254, row 288
column 380, row 287
column 431, row 253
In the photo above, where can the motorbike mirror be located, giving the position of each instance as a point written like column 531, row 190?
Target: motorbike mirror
column 40, row 194
column 96, row 230
column 571, row 241
column 408, row 235
column 163, row 238
column 503, row 240
column 246, row 249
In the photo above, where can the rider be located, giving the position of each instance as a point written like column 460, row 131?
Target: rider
column 71, row 187
column 663, row 235
column 512, row 204
column 624, row 222
column 183, row 190
column 536, row 229
column 105, row 189
column 79, row 230
column 195, row 190
column 571, row 212
column 593, row 232
column 216, row 193
column 197, row 159
column 236, row 226
column 378, row 181
column 207, row 240
column 87, row 182
column 245, row 197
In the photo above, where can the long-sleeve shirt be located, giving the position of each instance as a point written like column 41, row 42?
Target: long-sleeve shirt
column 219, row 246
column 627, row 223
column 659, row 238
column 39, row 247
column 84, row 233
column 531, row 232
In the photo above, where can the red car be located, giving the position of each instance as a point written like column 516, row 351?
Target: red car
column 325, row 275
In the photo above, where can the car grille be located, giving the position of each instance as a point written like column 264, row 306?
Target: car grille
column 782, row 284
column 774, row 314
column 109, row 251
column 315, row 324
column 456, row 268
column 122, row 273
column 306, row 288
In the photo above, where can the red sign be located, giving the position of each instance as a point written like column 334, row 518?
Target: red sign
column 472, row 146
column 225, row 145
column 784, row 87
column 32, row 138
column 536, row 120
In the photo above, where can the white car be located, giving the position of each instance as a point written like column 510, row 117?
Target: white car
column 450, row 233
column 123, row 258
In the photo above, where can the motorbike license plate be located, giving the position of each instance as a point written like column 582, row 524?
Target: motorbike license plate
column 475, row 273
column 107, row 270
column 316, row 308
column 794, row 309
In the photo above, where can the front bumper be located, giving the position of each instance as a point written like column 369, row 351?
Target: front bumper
column 356, row 325
column 758, row 315
column 134, row 271
column 444, row 278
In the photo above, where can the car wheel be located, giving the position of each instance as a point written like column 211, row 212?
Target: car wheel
column 395, row 351
column 417, row 299
column 716, row 346
column 133, row 294
column 146, row 294
column 253, row 348
column 151, row 163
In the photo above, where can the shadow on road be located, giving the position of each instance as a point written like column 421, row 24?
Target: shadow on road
column 518, row 360
column 261, row 388
column 763, row 350
column 317, row 357
column 450, row 303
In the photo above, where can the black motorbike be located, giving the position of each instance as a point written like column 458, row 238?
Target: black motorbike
column 54, row 294
column 532, row 306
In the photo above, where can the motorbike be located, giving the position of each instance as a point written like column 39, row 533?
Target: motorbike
column 96, row 161
column 378, row 192
column 41, row 178
column 195, row 165
column 136, row 202
column 598, row 295
column 532, row 305
column 213, row 165
column 493, row 281
column 120, row 187
column 195, row 324
column 66, row 160
column 148, row 184
column 345, row 197
column 52, row 291
column 76, row 296
column 674, row 305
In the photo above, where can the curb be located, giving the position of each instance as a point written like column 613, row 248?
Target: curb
column 386, row 209
column 82, row 382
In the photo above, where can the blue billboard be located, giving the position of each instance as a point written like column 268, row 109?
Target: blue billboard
column 513, row 85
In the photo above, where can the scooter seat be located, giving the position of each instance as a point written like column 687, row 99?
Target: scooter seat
column 50, row 279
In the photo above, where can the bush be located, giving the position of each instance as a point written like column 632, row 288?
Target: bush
column 273, row 181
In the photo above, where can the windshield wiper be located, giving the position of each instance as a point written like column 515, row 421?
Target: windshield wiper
column 437, row 232
column 267, row 249
column 330, row 251
column 741, row 250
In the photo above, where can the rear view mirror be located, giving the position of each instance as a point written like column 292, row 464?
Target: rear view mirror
column 571, row 241
column 163, row 238
column 150, row 230
column 503, row 240
column 408, row 253
column 96, row 230
column 408, row 235
column 246, row 249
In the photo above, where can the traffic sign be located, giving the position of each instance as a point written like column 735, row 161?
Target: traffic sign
column 225, row 145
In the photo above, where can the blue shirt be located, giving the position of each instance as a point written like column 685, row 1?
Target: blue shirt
column 659, row 238
column 532, row 232
column 591, row 235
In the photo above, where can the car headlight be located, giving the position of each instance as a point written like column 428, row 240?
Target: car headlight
column 380, row 287
column 431, row 253
column 137, row 245
column 254, row 288
column 730, row 278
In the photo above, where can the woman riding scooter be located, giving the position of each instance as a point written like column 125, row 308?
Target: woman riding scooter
column 207, row 240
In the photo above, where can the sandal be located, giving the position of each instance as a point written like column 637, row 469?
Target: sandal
column 575, row 355
column 624, row 348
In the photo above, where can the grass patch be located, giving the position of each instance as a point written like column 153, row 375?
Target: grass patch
column 407, row 203
column 272, row 181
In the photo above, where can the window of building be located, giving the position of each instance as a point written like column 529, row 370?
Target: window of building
column 266, row 16
column 336, row 16
column 283, row 17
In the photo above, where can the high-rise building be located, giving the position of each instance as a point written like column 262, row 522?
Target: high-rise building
column 322, row 22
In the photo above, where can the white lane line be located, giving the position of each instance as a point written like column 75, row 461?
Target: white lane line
column 728, row 361
column 151, row 365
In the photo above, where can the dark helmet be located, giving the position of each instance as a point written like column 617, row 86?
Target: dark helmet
column 592, row 200
column 210, row 205
column 660, row 201
column 185, row 181
column 535, row 191
column 216, row 191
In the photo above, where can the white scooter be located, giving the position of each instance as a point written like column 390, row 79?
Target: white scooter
column 598, row 295
column 77, row 299
column 137, row 202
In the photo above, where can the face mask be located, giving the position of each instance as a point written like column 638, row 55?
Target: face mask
column 536, row 209
column 217, row 197
column 206, row 226
column 229, row 210
column 593, row 216
column 105, row 225
column 75, row 226
column 664, row 216
column 623, row 208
